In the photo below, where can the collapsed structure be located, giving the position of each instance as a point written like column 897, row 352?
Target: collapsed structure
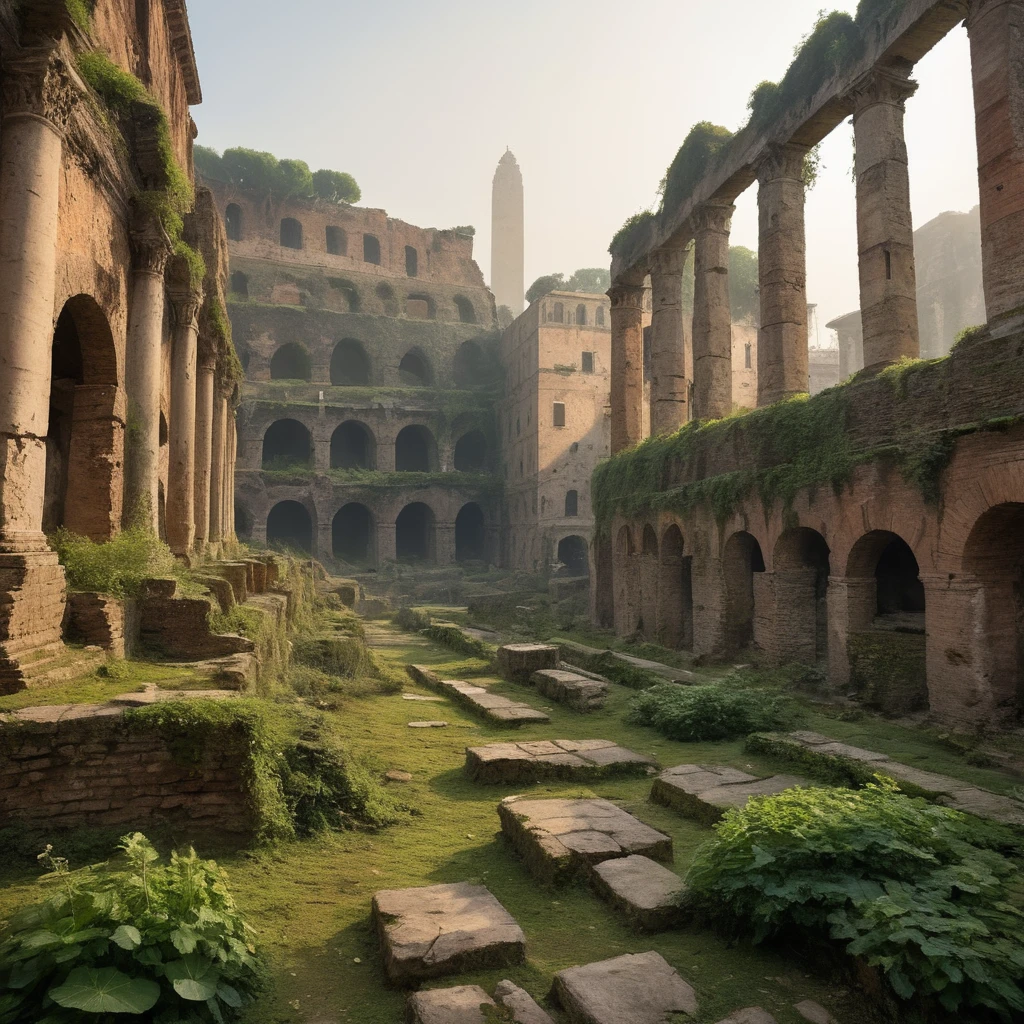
column 117, row 375
column 877, row 528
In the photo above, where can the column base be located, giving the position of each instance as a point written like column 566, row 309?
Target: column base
column 32, row 601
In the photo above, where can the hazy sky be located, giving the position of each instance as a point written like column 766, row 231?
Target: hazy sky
column 419, row 100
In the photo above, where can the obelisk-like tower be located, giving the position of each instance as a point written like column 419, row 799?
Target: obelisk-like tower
column 507, row 259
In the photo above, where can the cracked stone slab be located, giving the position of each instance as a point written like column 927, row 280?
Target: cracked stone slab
column 517, row 662
column 438, row 930
column 706, row 792
column 524, row 1008
column 501, row 763
column 644, row 892
column 568, row 688
column 459, row 1005
column 496, row 709
column 638, row 988
column 559, row 839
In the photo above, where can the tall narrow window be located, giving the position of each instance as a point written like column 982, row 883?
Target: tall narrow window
column 599, row 316
column 559, row 313
column 412, row 261
column 572, row 503
column 888, row 265
column 581, row 315
column 337, row 242
column 587, row 360
column 371, row 249
column 558, row 418
column 233, row 222
column 747, row 355
column 291, row 233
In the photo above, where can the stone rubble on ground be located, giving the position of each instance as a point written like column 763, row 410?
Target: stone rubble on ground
column 647, row 894
column 706, row 792
column 523, row 1006
column 508, row 763
column 574, row 691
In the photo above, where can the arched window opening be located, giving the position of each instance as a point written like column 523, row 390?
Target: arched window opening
column 581, row 315
column 414, row 370
column 287, row 445
column 350, row 365
column 572, row 553
column 233, row 222
column 348, row 291
column 415, row 450
column 420, row 307
column 290, row 528
column 470, row 534
column 353, row 536
column 675, row 592
column 291, row 233
column 240, row 285
column 467, row 313
column 572, row 503
column 337, row 241
column 471, row 453
column 599, row 316
column 371, row 249
column 558, row 313
column 900, row 590
column 742, row 560
column 468, row 367
column 414, row 533
column 353, row 447
column 291, row 362
column 412, row 261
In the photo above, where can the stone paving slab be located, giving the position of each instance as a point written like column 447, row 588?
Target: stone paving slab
column 505, row 763
column 459, row 1005
column 638, row 988
column 644, row 892
column 496, row 709
column 706, row 792
column 558, row 839
column 571, row 689
column 438, row 930
column 524, row 1009
column 517, row 662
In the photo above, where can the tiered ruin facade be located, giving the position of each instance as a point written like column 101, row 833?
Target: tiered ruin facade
column 116, row 383
column 367, row 423
column 900, row 567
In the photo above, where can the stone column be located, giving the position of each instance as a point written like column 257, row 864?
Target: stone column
column 386, row 550
column 151, row 249
column 996, row 30
column 627, row 370
column 782, row 361
column 220, row 415
column 852, row 606
column 181, row 483
column 229, row 496
column 712, row 313
column 204, row 447
column 670, row 341
column 885, row 230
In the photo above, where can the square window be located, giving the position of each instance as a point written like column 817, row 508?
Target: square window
column 559, row 414
column 588, row 362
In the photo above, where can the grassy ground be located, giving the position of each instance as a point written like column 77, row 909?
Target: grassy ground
column 310, row 901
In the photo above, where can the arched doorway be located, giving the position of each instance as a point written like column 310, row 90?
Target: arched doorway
column 353, row 535
column 800, row 579
column 290, row 527
column 675, row 592
column 649, row 570
column 291, row 362
column 572, row 553
column 415, row 450
column 471, row 452
column 470, row 534
column 414, row 370
column 742, row 560
column 350, row 365
column 414, row 534
column 85, row 432
column 353, row 447
column 287, row 445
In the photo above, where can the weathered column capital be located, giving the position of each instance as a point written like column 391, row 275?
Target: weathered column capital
column 151, row 248
column 185, row 305
column 627, row 296
column 892, row 85
column 38, row 84
column 669, row 261
column 713, row 217
column 781, row 160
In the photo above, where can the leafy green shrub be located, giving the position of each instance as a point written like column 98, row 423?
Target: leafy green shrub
column 161, row 942
column 630, row 233
column 262, row 172
column 410, row 620
column 704, row 142
column 715, row 712
column 899, row 881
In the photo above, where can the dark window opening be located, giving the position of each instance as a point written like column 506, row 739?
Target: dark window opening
column 572, row 553
column 741, row 560
column 587, row 360
column 572, row 503
column 414, row 370
column 559, row 414
column 414, row 533
column 291, row 362
column 581, row 315
column 467, row 314
column 290, row 528
column 337, row 242
column 899, row 588
column 599, row 316
column 469, row 365
column 291, row 233
column 415, row 451
column 888, row 265
column 350, row 365
column 470, row 534
column 558, row 313
column 240, row 284
column 352, row 447
column 412, row 261
column 748, row 355
column 371, row 249
column 233, row 222
column 353, row 535
column 287, row 445
column 471, row 453
column 420, row 307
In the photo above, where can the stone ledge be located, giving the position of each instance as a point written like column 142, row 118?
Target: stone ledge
column 509, row 763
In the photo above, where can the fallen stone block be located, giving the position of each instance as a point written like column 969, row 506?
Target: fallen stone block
column 517, row 662
column 706, row 792
column 574, row 691
column 559, row 839
column 639, row 988
column 524, row 1008
column 645, row 893
column 439, row 930
column 459, row 1005
column 512, row 763
column 496, row 709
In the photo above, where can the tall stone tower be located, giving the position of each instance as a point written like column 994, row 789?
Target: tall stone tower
column 507, row 261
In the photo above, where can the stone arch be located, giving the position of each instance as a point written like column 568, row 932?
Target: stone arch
column 350, row 365
column 85, row 431
column 466, row 310
column 415, row 539
column 581, row 315
column 290, row 527
column 742, row 561
column 354, row 535
column 233, row 222
column 801, row 564
column 291, row 233
column 572, row 503
column 471, row 452
column 470, row 534
column 414, row 369
column 627, row 608
column 353, row 446
column 420, row 306
column 468, row 365
column 572, row 553
column 287, row 444
column 415, row 450
column 291, row 362
column 371, row 249
column 336, row 241
column 675, row 592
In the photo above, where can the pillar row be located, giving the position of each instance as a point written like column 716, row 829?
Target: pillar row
column 181, row 488
column 885, row 230
column 627, row 370
column 712, row 314
column 671, row 351
column 782, row 360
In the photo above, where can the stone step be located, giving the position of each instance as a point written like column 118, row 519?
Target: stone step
column 645, row 893
column 706, row 792
column 518, row 662
column 512, row 763
column 574, row 691
column 559, row 839
column 496, row 709
column 459, row 1005
column 638, row 988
